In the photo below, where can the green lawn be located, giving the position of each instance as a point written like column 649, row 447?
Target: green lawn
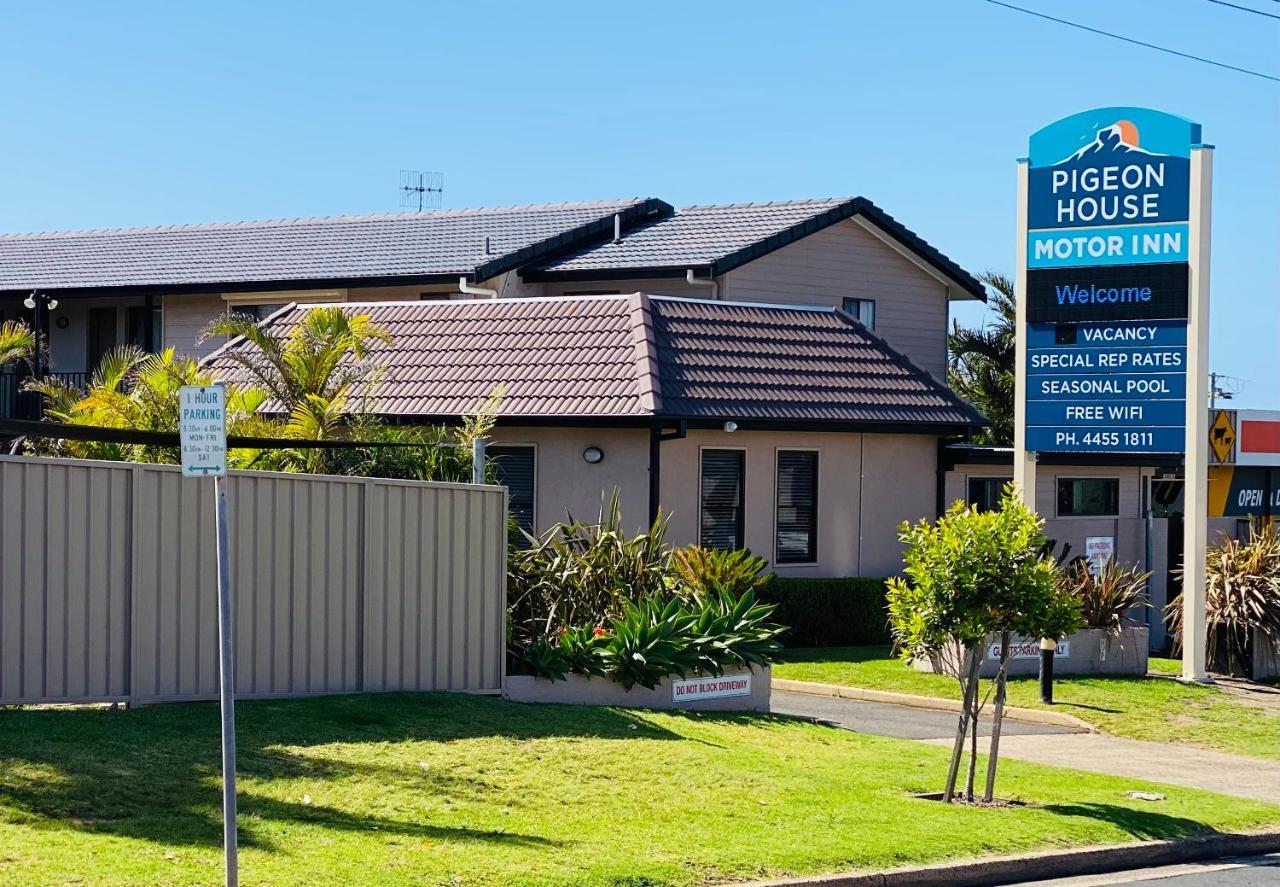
column 1155, row 708
column 451, row 789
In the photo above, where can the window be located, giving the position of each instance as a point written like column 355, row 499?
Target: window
column 102, row 336
column 796, row 531
column 514, row 468
column 1088, row 497
column 258, row 312
column 143, row 321
column 985, row 492
column 862, row 310
column 720, row 506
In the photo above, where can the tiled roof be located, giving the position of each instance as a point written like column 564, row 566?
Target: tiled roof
column 336, row 248
column 717, row 239
column 639, row 358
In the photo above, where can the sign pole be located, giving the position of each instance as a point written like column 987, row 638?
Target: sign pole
column 1196, row 472
column 1024, row 462
column 202, row 432
column 227, row 689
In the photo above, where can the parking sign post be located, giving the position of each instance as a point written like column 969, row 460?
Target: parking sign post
column 202, row 431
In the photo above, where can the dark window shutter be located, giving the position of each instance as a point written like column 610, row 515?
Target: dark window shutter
column 514, row 468
column 797, row 507
column 720, row 512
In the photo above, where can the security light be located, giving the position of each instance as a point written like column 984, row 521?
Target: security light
column 731, row 426
column 593, row 455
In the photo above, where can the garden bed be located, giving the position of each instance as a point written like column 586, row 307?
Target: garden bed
column 737, row 690
column 1088, row 651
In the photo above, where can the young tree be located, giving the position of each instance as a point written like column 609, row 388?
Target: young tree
column 968, row 576
column 981, row 362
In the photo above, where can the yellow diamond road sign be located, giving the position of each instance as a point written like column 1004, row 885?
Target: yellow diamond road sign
column 1222, row 436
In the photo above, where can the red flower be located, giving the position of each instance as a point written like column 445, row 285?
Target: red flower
column 599, row 632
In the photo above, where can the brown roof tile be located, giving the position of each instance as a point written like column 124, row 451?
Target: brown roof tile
column 640, row 357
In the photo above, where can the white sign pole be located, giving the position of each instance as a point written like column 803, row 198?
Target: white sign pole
column 227, row 683
column 1024, row 463
column 202, row 430
column 1196, row 472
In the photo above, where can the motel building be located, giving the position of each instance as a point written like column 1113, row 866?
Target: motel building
column 768, row 375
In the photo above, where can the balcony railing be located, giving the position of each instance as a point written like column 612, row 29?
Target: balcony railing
column 15, row 403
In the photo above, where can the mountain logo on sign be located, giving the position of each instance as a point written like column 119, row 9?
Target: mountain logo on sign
column 1111, row 180
column 1120, row 137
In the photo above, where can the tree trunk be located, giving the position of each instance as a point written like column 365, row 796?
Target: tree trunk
column 997, row 717
column 962, row 727
column 971, row 696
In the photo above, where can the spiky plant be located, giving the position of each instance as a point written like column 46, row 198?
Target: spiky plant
column 1105, row 598
column 1242, row 595
column 704, row 571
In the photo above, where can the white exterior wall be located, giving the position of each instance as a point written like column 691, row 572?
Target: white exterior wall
column 868, row 484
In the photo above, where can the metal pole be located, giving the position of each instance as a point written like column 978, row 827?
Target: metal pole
column 227, row 685
column 477, row 461
column 1196, row 481
column 1024, row 463
column 1047, row 648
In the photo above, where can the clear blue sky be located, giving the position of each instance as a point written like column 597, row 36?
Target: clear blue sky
column 138, row 114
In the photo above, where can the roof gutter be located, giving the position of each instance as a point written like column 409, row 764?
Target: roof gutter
column 697, row 281
column 468, row 289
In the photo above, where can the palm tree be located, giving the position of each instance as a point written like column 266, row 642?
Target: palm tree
column 136, row 390
column 315, row 364
column 981, row 362
column 17, row 342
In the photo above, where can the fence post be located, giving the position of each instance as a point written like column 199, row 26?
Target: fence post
column 131, row 596
column 477, row 460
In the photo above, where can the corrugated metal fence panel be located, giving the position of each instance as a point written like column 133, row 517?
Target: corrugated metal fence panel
column 435, row 610
column 64, row 581
column 107, row 585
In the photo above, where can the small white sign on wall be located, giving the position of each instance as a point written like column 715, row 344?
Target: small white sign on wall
column 693, row 689
column 1026, row 648
column 1097, row 551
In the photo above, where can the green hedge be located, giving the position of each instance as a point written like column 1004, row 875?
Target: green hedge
column 829, row 612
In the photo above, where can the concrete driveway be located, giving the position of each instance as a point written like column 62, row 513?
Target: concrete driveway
column 885, row 719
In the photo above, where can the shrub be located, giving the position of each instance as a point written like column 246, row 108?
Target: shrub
column 1107, row 597
column 580, row 573
column 703, row 571
column 1242, row 596
column 656, row 637
column 829, row 612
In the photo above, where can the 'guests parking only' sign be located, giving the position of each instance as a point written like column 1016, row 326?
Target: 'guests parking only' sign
column 1108, row 215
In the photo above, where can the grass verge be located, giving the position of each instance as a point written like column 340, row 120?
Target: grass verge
column 444, row 789
column 1153, row 708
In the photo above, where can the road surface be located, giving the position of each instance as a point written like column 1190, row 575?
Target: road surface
column 1256, row 871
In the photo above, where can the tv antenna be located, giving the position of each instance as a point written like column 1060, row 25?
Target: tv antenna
column 421, row 190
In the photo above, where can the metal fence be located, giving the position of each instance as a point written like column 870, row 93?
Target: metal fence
column 15, row 403
column 107, row 584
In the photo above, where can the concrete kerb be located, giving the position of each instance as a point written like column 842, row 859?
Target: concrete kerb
column 1051, row 864
column 1033, row 715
